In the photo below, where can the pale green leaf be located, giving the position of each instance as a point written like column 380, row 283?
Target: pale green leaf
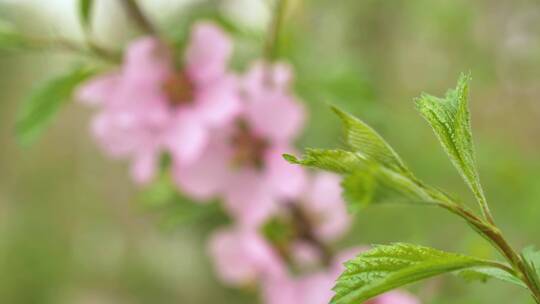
column 44, row 102
column 10, row 38
column 485, row 273
column 363, row 139
column 391, row 266
column 450, row 119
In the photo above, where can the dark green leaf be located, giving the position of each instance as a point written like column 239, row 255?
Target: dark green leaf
column 387, row 267
column 45, row 101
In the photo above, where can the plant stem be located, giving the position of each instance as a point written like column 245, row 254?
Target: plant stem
column 135, row 13
column 271, row 49
column 93, row 50
column 495, row 237
column 485, row 207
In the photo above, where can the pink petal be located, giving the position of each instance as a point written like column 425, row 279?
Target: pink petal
column 208, row 52
column 206, row 177
column 186, row 137
column 98, row 90
column 143, row 167
column 264, row 77
column 147, row 61
column 248, row 199
column 111, row 135
column 282, row 290
column 324, row 201
column 305, row 255
column 316, row 288
column 286, row 180
column 278, row 117
column 219, row 103
column 282, row 75
column 241, row 257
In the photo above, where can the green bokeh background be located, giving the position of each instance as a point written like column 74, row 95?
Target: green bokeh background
column 74, row 229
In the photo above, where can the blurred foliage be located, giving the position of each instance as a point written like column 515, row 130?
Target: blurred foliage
column 73, row 229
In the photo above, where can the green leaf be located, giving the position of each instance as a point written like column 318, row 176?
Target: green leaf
column 391, row 266
column 85, row 13
column 377, row 184
column 338, row 161
column 532, row 262
column 373, row 171
column 485, row 273
column 161, row 192
column 363, row 139
column 44, row 102
column 450, row 119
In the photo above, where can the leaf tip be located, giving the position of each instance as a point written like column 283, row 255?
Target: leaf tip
column 291, row 159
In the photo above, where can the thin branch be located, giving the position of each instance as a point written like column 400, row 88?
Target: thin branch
column 494, row 235
column 62, row 44
column 135, row 13
column 271, row 49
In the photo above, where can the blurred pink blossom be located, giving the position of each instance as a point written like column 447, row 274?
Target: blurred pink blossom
column 323, row 205
column 243, row 162
column 149, row 107
column 242, row 257
column 316, row 287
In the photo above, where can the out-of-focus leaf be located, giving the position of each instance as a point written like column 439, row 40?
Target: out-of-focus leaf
column 159, row 193
column 44, row 102
column 450, row 119
column 85, row 13
column 10, row 38
column 391, row 266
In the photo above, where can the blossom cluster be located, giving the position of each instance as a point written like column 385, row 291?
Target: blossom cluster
column 225, row 133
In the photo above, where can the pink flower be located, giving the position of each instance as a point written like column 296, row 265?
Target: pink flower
column 242, row 257
column 242, row 163
column 324, row 207
column 316, row 288
column 149, row 107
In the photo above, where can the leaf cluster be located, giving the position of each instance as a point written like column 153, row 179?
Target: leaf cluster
column 374, row 173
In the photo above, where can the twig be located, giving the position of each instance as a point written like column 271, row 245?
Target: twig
column 63, row 44
column 135, row 13
column 271, row 49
